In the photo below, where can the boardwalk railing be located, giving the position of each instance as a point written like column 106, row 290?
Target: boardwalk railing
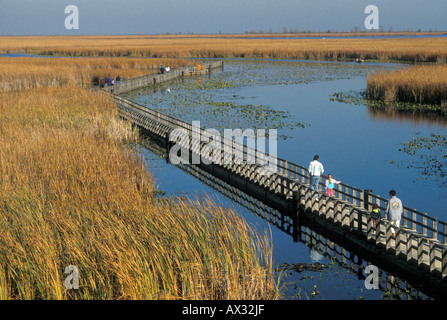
column 287, row 175
column 156, row 78
column 421, row 239
column 335, row 252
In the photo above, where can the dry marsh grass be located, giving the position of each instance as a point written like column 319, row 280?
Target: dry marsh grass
column 414, row 50
column 22, row 73
column 72, row 193
column 417, row 84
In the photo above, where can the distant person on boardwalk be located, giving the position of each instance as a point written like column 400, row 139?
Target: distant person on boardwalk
column 167, row 69
column 394, row 210
column 375, row 215
column 118, row 80
column 162, row 69
column 330, row 182
column 109, row 81
column 102, row 83
column 315, row 171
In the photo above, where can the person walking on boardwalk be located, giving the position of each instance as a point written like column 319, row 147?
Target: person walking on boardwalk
column 330, row 182
column 316, row 169
column 394, row 210
column 375, row 215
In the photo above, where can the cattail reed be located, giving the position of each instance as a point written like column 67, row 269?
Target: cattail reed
column 74, row 192
column 417, row 84
column 23, row 73
column 221, row 46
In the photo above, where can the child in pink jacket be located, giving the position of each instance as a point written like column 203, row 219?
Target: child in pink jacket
column 330, row 185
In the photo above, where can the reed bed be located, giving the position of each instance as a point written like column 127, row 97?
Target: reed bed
column 416, row 84
column 22, row 73
column 73, row 192
column 172, row 46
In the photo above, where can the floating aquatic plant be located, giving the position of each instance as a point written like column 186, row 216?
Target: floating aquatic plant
column 215, row 103
column 359, row 98
column 430, row 154
column 350, row 97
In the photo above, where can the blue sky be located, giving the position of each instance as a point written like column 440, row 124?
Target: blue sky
column 29, row 17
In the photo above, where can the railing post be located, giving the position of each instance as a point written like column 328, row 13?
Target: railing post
column 295, row 203
column 421, row 253
column 433, row 259
column 444, row 262
column 388, row 237
column 369, row 229
column 352, row 219
column 424, row 226
column 411, row 249
column 435, row 228
column 367, row 199
column 413, row 217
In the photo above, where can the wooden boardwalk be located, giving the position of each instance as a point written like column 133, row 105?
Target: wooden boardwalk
column 418, row 247
column 278, row 214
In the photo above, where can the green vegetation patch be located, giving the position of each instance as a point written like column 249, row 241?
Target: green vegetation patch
column 359, row 98
column 430, row 155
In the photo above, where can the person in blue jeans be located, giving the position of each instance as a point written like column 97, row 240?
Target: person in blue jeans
column 315, row 169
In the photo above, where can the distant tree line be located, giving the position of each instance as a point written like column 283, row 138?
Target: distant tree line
column 355, row 29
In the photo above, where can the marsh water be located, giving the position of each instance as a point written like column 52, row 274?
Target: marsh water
column 358, row 145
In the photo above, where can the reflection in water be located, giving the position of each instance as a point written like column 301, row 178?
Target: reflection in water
column 294, row 98
column 392, row 286
column 315, row 256
column 320, row 247
column 415, row 117
column 292, row 88
column 427, row 152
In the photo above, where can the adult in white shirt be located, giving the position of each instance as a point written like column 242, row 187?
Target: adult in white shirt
column 315, row 171
column 394, row 210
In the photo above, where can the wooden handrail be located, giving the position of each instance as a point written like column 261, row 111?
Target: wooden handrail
column 290, row 173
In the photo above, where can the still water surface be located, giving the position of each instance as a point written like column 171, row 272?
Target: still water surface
column 355, row 144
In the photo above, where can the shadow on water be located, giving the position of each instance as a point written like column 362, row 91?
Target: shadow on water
column 344, row 269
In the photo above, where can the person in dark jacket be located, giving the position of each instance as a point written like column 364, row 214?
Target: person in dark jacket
column 375, row 215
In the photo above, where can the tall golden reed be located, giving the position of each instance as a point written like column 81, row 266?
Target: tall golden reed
column 417, row 84
column 74, row 192
column 22, row 73
column 218, row 46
